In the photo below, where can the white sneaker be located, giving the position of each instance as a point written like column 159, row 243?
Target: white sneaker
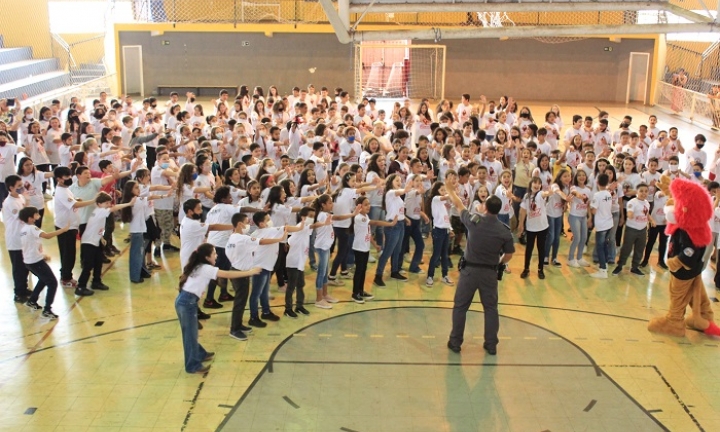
column 323, row 304
column 446, row 280
column 574, row 264
column 601, row 274
column 429, row 281
column 583, row 263
column 330, row 299
column 336, row 282
column 372, row 259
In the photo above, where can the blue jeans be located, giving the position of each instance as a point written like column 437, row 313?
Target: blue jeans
column 137, row 256
column 186, row 306
column 392, row 249
column 323, row 261
column 311, row 250
column 441, row 248
column 612, row 248
column 413, row 231
column 553, row 238
column 578, row 225
column 260, row 291
column 504, row 218
column 377, row 213
column 602, row 246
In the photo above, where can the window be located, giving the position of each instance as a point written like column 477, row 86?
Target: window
column 76, row 17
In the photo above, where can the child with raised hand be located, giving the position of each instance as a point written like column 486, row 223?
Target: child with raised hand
column 361, row 247
column 580, row 195
column 297, row 256
column 504, row 192
column 393, row 205
column 533, row 219
column 92, row 241
column 556, row 210
column 36, row 261
column 440, row 234
column 239, row 250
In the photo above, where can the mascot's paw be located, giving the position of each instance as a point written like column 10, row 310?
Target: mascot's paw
column 666, row 326
column 712, row 330
column 696, row 323
column 674, row 264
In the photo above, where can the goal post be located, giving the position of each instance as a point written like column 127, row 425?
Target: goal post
column 397, row 71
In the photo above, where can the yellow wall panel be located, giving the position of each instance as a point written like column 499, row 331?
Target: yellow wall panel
column 26, row 23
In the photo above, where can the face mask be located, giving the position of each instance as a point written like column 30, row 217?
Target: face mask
column 218, row 135
column 164, row 165
column 20, row 190
column 271, row 169
column 697, row 174
column 196, row 216
column 673, row 167
column 246, row 230
column 351, row 138
column 67, row 182
column 700, row 145
column 263, row 133
column 195, row 176
column 142, row 155
column 269, row 224
column 29, row 116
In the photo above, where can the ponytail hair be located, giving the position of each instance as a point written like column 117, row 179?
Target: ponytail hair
column 318, row 203
column 197, row 258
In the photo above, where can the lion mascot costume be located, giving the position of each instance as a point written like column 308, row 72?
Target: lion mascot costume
column 688, row 210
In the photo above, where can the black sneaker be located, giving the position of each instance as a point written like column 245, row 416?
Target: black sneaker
column 212, row 304
column 556, row 263
column 145, row 274
column 644, row 264
column 289, row 313
column 226, row 297
column 663, row 265
column 525, row 273
column 255, row 322
column 100, row 286
column 239, row 336
column 270, row 317
column 357, row 298
column 18, row 299
column 48, row 313
column 302, row 310
column 367, row 295
column 617, row 270
column 637, row 271
column 245, row 329
column 454, row 348
column 83, row 292
column 202, row 315
column 398, row 276
column 379, row 282
column 33, row 305
column 541, row 274
column 492, row 350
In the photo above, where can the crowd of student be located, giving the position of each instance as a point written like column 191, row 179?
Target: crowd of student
column 269, row 185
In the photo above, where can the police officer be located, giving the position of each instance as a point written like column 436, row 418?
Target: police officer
column 487, row 240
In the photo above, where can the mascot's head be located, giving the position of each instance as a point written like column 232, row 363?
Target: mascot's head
column 692, row 211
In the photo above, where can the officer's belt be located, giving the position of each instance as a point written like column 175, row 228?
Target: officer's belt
column 487, row 266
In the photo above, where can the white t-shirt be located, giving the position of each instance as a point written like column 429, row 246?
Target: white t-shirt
column 375, row 196
column 13, row 225
column 361, row 241
column 579, row 206
column 602, row 203
column 324, row 235
column 299, row 248
column 536, row 214
column 140, row 210
column 344, row 204
column 32, row 248
column 641, row 210
column 394, row 206
column 220, row 214
column 658, row 213
column 64, row 212
column 157, row 178
column 199, row 279
column 413, row 201
column 441, row 219
column 7, row 161
column 266, row 255
column 240, row 250
column 95, row 226
column 504, row 195
column 205, row 180
column 192, row 235
column 33, row 189
column 555, row 204
column 648, row 178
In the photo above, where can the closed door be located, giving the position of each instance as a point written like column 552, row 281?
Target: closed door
column 132, row 70
column 638, row 77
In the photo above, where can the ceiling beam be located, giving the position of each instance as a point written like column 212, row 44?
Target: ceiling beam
column 688, row 14
column 510, row 7
column 530, row 31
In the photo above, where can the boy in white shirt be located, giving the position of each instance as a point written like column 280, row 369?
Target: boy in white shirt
column 240, row 250
column 601, row 207
column 696, row 154
column 36, row 261
column 297, row 256
column 576, row 129
column 635, row 236
column 464, row 109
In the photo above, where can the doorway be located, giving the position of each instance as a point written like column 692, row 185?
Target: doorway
column 132, row 70
column 638, row 77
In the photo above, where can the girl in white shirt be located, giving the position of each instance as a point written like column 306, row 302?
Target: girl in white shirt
column 555, row 211
column 135, row 216
column 196, row 276
column 186, row 188
column 393, row 205
column 439, row 205
column 504, row 191
column 533, row 218
column 580, row 220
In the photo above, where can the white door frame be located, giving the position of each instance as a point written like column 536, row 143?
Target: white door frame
column 630, row 71
column 142, row 78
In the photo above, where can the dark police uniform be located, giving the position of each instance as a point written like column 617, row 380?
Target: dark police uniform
column 487, row 239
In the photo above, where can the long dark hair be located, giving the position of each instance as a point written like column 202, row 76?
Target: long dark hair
column 434, row 191
column 20, row 167
column 275, row 197
column 318, row 203
column 127, row 196
column 197, row 258
column 388, row 187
